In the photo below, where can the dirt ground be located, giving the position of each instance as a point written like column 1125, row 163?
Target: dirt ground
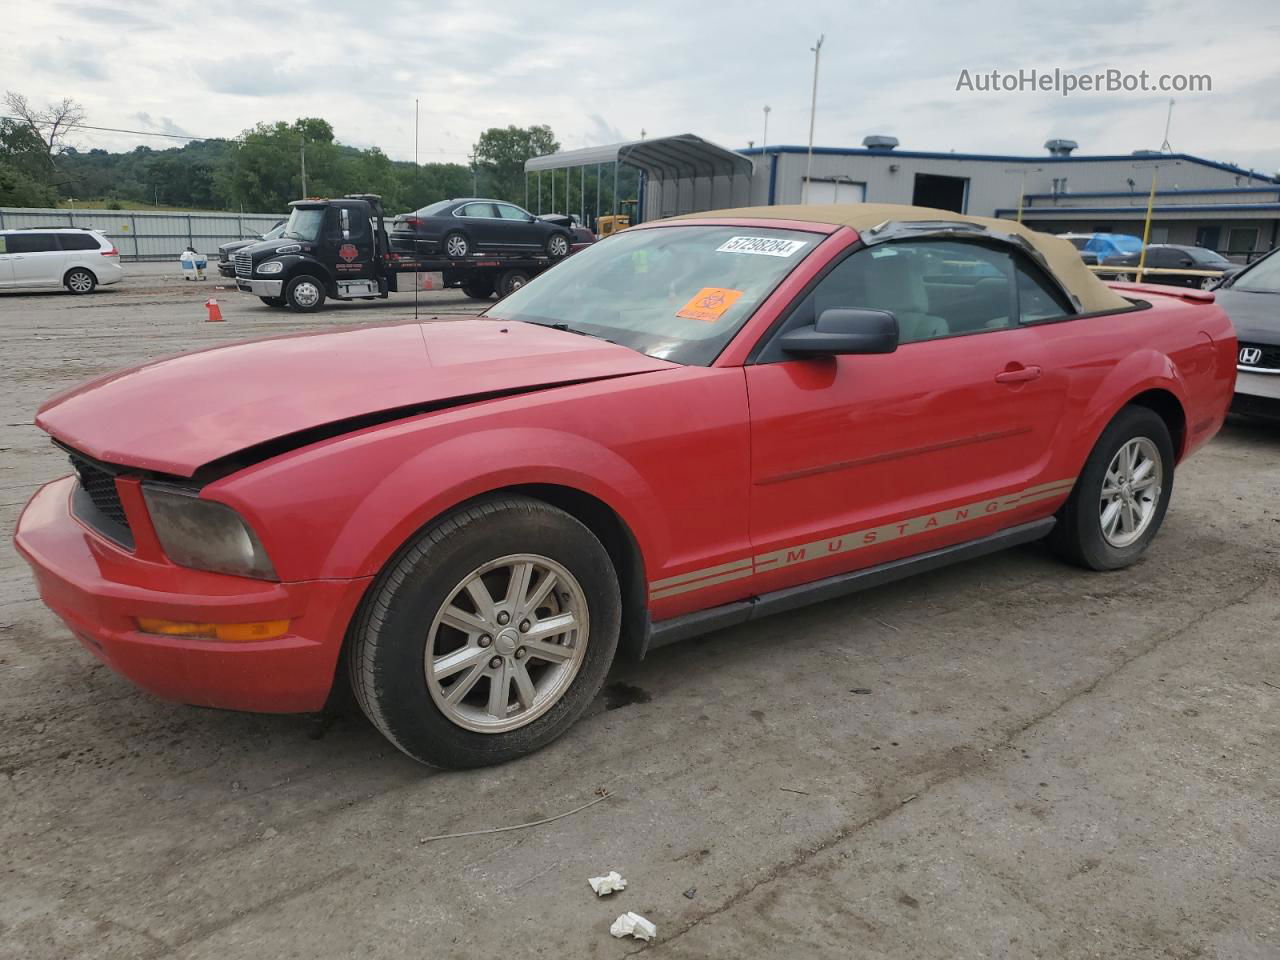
column 1008, row 759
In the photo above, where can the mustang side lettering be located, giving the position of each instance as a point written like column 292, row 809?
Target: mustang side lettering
column 689, row 425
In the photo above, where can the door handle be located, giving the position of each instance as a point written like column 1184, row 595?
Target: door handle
column 1018, row 375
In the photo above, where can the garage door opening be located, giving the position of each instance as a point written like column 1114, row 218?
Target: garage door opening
column 835, row 191
column 943, row 193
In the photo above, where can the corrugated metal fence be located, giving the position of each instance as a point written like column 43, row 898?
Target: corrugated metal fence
column 144, row 235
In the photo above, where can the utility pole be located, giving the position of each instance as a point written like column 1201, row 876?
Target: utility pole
column 764, row 140
column 475, row 175
column 813, row 113
column 302, row 150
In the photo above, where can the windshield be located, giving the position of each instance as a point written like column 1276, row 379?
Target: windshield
column 1263, row 277
column 304, row 223
column 676, row 293
column 275, row 232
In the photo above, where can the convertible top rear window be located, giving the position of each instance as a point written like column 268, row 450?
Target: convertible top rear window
column 679, row 293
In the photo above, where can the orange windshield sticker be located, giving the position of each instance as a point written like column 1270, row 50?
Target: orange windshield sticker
column 709, row 304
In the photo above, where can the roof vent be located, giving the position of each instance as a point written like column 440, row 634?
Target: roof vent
column 1146, row 153
column 1060, row 148
column 879, row 142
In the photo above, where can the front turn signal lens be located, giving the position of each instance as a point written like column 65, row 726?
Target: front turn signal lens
column 228, row 632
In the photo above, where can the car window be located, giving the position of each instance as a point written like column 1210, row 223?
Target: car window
column 31, row 243
column 508, row 212
column 934, row 288
column 479, row 210
column 434, row 209
column 1038, row 299
column 78, row 241
column 1207, row 258
column 679, row 293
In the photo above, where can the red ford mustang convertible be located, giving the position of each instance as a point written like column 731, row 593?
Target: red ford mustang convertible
column 687, row 426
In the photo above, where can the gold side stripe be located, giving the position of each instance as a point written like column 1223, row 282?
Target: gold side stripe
column 699, row 574
column 855, row 540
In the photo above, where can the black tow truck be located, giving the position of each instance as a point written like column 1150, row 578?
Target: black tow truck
column 337, row 249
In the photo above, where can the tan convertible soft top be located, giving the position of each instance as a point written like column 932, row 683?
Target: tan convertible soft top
column 1060, row 255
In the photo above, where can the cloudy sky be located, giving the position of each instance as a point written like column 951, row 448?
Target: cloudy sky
column 601, row 71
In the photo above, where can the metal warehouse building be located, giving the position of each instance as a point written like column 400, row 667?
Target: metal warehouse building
column 1198, row 201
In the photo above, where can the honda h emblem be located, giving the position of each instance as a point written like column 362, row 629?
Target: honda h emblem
column 1250, row 356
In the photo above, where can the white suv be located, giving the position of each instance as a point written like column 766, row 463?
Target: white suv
column 68, row 257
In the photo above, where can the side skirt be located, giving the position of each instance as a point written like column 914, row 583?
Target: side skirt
column 779, row 601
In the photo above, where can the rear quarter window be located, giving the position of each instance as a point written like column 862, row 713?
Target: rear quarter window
column 79, row 241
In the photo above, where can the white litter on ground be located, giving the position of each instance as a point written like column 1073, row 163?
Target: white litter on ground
column 610, row 882
column 632, row 924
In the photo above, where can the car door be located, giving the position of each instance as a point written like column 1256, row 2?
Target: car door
column 482, row 224
column 862, row 459
column 36, row 258
column 519, row 230
column 353, row 241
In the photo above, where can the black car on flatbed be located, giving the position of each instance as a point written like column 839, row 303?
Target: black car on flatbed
column 338, row 249
column 457, row 229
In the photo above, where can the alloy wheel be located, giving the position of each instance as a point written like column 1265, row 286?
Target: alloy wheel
column 506, row 643
column 1130, row 492
column 80, row 282
column 456, row 246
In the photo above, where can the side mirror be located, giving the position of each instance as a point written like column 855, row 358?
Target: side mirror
column 345, row 215
column 840, row 331
column 530, row 218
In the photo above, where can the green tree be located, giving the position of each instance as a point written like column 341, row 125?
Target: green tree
column 264, row 171
column 500, row 154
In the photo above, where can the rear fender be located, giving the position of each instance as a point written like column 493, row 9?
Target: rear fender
column 1138, row 373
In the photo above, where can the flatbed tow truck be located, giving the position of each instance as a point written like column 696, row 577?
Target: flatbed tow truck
column 338, row 249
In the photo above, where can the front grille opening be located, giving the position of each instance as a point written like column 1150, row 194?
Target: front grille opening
column 97, row 502
column 244, row 265
column 1268, row 356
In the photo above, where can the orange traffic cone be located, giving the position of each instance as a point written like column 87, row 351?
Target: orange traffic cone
column 215, row 315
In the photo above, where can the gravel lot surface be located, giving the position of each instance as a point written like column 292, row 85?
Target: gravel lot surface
column 1007, row 759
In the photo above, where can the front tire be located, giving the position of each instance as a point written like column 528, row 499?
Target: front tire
column 304, row 294
column 80, row 281
column 488, row 636
column 1121, row 496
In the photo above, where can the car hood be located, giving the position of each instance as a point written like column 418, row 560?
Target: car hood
column 235, row 245
column 1256, row 316
column 178, row 414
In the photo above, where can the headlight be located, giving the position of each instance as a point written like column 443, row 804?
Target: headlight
column 271, row 266
column 206, row 535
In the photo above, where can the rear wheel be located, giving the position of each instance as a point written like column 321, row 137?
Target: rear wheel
column 457, row 246
column 80, row 280
column 488, row 636
column 478, row 289
column 1121, row 496
column 304, row 294
column 273, row 301
column 557, row 246
column 511, row 280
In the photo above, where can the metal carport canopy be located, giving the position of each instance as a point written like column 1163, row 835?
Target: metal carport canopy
column 681, row 155
column 666, row 158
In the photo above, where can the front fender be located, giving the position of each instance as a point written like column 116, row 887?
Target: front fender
column 418, row 490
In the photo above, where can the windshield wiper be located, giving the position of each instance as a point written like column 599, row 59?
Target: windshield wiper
column 561, row 325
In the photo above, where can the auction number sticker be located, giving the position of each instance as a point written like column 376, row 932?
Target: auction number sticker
column 709, row 304
column 762, row 246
